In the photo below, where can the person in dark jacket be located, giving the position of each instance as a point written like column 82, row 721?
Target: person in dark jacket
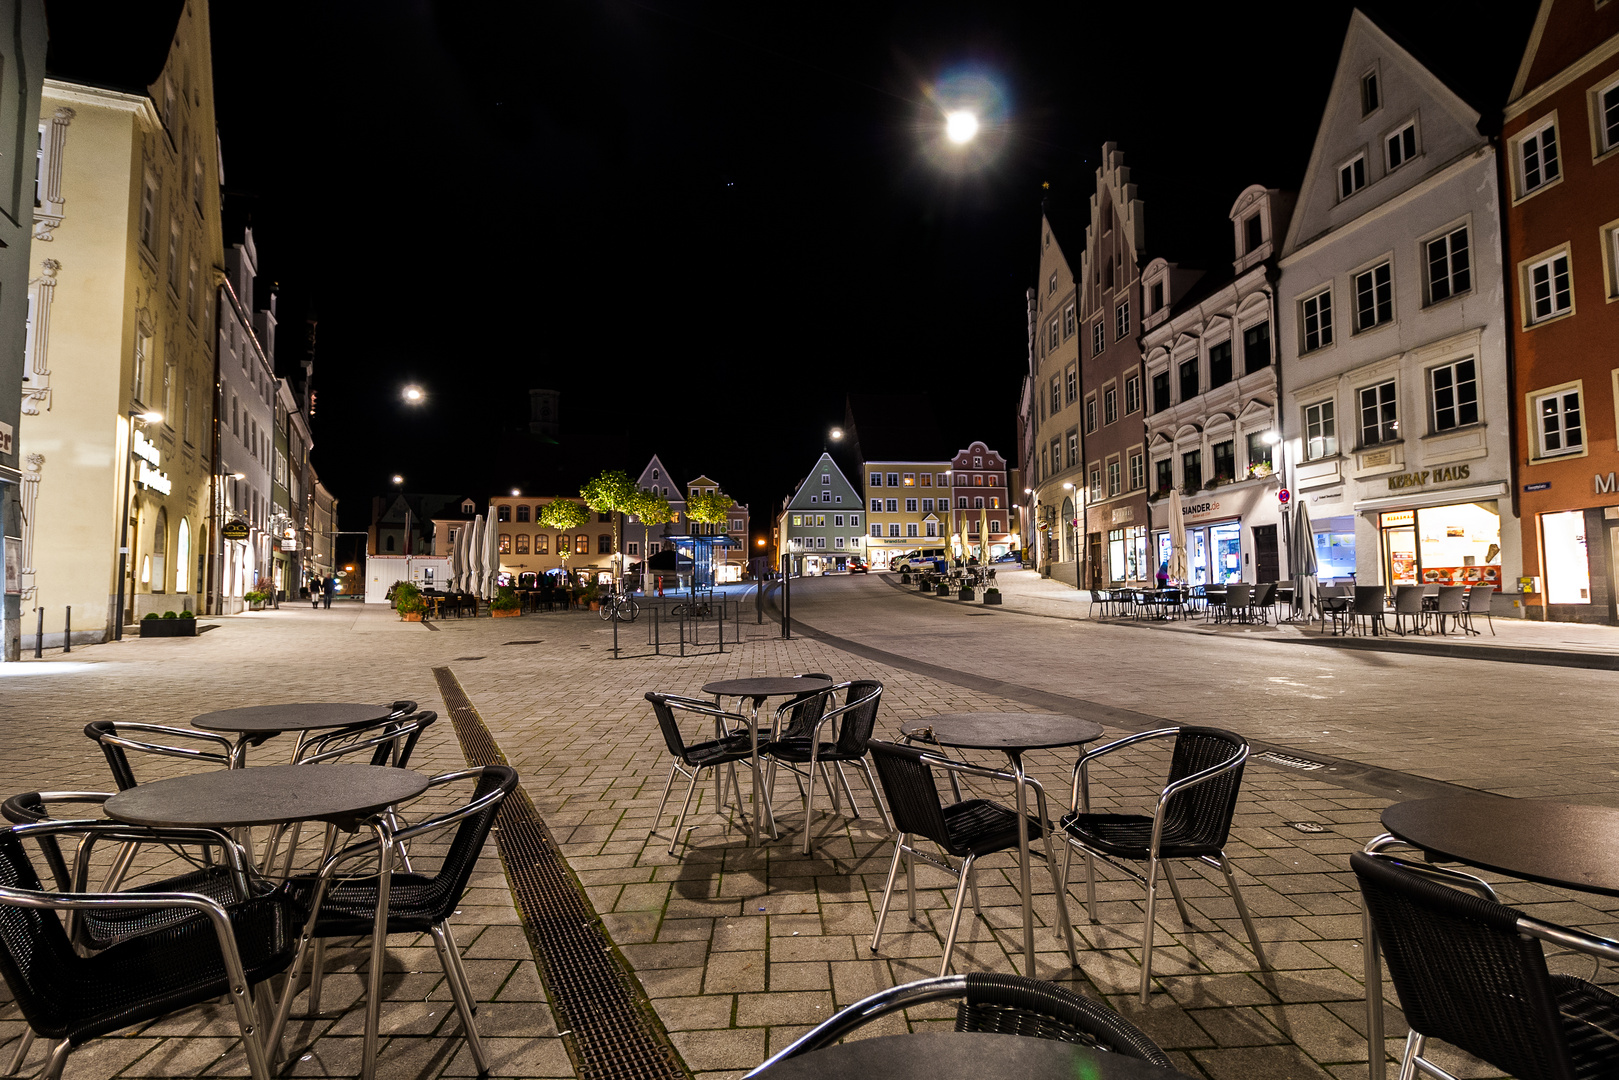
column 330, row 589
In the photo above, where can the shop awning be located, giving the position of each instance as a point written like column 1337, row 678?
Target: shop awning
column 1438, row 497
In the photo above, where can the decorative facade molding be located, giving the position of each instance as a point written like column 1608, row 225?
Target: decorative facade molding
column 32, row 467
column 37, row 373
column 49, row 209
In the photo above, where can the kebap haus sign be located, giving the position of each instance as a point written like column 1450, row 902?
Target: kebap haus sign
column 1446, row 475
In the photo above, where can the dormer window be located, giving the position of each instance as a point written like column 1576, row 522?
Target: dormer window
column 469, row 507
column 654, row 474
column 1157, row 296
column 1253, row 232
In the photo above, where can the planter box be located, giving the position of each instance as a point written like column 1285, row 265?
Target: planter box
column 904, row 578
column 942, row 590
column 411, row 616
column 513, row 613
column 168, row 627
column 992, row 598
column 967, row 594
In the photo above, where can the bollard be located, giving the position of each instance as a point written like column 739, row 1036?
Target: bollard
column 39, row 637
column 67, row 631
column 786, row 596
column 682, row 633
column 615, row 635
column 657, row 640
column 758, row 602
column 720, row 625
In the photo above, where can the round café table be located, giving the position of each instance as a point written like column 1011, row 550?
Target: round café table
column 1565, row 845
column 347, row 796
column 1013, row 733
column 950, row 1055
column 756, row 690
column 256, row 723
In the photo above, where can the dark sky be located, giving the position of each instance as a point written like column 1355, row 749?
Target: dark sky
column 705, row 223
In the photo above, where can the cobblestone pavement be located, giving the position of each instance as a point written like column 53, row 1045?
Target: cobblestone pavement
column 741, row 949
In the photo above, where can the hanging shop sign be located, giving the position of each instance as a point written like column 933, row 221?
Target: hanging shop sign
column 147, row 474
column 1446, row 475
column 234, row 530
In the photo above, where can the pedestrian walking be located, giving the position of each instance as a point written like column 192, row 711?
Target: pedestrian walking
column 316, row 586
column 330, row 589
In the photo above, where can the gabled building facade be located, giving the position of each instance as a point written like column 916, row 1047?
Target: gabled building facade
column 982, row 509
column 1051, row 428
column 1112, row 434
column 1395, row 410
column 1560, row 173
column 822, row 525
column 1212, row 398
column 729, row 557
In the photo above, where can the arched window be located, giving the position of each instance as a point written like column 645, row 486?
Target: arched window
column 1068, row 538
column 522, row 511
column 182, row 557
column 158, row 569
column 390, row 543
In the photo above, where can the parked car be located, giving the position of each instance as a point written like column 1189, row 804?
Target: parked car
column 857, row 567
column 1010, row 556
column 915, row 559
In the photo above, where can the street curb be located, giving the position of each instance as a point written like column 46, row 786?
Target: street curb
column 1499, row 654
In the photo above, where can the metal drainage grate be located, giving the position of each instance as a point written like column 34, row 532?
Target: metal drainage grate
column 1288, row 761
column 1306, row 826
column 611, row 1035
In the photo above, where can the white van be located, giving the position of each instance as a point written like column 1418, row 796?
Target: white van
column 914, row 560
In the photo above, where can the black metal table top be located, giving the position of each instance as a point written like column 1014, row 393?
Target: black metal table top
column 764, row 686
column 1006, row 731
column 1554, row 843
column 344, row 795
column 949, row 1055
column 295, row 716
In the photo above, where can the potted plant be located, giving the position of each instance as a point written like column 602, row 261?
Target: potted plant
column 967, row 592
column 904, row 577
column 408, row 602
column 942, row 589
column 254, row 599
column 169, row 624
column 1259, row 470
column 505, row 604
column 592, row 595
column 992, row 595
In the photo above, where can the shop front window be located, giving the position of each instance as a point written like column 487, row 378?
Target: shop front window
column 1443, row 545
column 1334, row 548
column 1115, row 554
column 1568, row 569
column 1225, row 541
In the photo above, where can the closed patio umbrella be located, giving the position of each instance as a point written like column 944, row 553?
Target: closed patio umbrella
column 1301, row 562
column 983, row 537
column 1177, row 538
column 475, row 556
column 455, row 562
column 491, row 553
column 463, row 547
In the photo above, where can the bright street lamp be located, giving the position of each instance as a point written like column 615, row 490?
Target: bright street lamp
column 398, row 479
column 1270, row 438
column 414, row 394
column 960, row 126
column 837, row 433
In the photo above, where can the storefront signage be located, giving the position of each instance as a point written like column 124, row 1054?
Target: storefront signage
column 1604, row 486
column 1235, row 502
column 1122, row 514
column 289, row 545
column 1446, row 475
column 1542, row 486
column 146, row 449
column 147, row 475
column 6, row 439
column 234, row 530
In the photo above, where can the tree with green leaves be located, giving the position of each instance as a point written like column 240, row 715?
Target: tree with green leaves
column 709, row 507
column 611, row 492
column 650, row 509
column 563, row 515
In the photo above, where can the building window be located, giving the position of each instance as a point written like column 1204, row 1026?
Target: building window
column 1455, row 395
column 505, row 543
column 522, row 512
column 143, row 349
column 893, row 479
column 1138, row 470
column 1256, row 347
column 932, row 529
column 1115, row 481
column 1132, row 394
column 1051, row 283
column 1537, row 158
column 1165, row 475
column 174, row 258
column 1073, row 449
column 1110, row 405
column 1188, row 379
column 1053, row 336
column 186, row 426
column 854, row 521
column 910, row 506
column 927, row 506
column 1379, row 422
column 1253, row 233
column 1068, row 322
column 892, row 506
column 893, row 528
column 1071, row 382
column 1056, row 454
column 1090, row 414
column 1351, row 176
column 1160, row 392
column 1370, row 98
column 876, row 506
column 1374, row 297
column 1550, row 291
column 1121, row 320
column 876, row 479
column 1219, row 364
column 1098, row 339
column 149, row 213
column 910, row 479
column 191, row 291
column 1259, row 451
column 1045, row 463
column 1607, row 116
column 1448, row 270
column 1320, row 431
column 522, row 543
column 1096, row 483
column 1401, row 146
column 1317, row 320
column 826, row 480
column 1225, row 461
column 1192, row 469
column 1558, row 422
column 1056, row 395
column 877, row 531
column 581, row 544
column 542, row 545
column 1157, row 300
column 910, row 528
column 503, row 514
column 837, row 520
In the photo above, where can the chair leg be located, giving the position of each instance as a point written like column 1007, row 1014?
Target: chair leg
column 317, row 972
column 57, row 1061
column 461, row 992
column 848, row 792
column 24, row 1044
column 973, row 883
column 831, row 788
column 1415, row 1044
column 871, row 785
column 1242, row 909
column 1175, row 891
column 910, row 883
column 809, row 801
column 955, row 914
column 681, row 820
column 888, row 891
column 1090, row 887
column 668, row 785
column 1147, row 929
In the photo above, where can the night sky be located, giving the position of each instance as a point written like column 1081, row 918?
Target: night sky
column 706, row 223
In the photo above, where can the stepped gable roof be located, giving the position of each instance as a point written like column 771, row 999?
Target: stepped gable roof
column 112, row 46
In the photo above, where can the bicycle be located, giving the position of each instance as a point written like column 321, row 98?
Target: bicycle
column 620, row 606
column 696, row 608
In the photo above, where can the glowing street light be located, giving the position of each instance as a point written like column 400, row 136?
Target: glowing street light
column 414, row 394
column 837, row 434
column 398, row 479
column 960, row 126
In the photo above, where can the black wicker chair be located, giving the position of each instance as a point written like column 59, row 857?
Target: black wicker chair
column 1369, row 605
column 1478, row 603
column 417, row 903
column 1192, row 820
column 212, row 950
column 116, row 738
column 993, row 1003
column 1472, row 972
column 729, row 748
column 966, row 830
column 801, row 748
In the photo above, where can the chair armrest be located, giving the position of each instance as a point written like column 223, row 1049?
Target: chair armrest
column 368, row 847
column 117, row 739
column 951, row 765
column 1577, row 940
column 1081, row 783
column 705, row 708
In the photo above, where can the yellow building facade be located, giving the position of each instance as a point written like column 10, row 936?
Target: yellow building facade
column 122, row 327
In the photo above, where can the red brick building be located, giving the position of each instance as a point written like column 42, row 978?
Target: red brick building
column 1560, row 155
